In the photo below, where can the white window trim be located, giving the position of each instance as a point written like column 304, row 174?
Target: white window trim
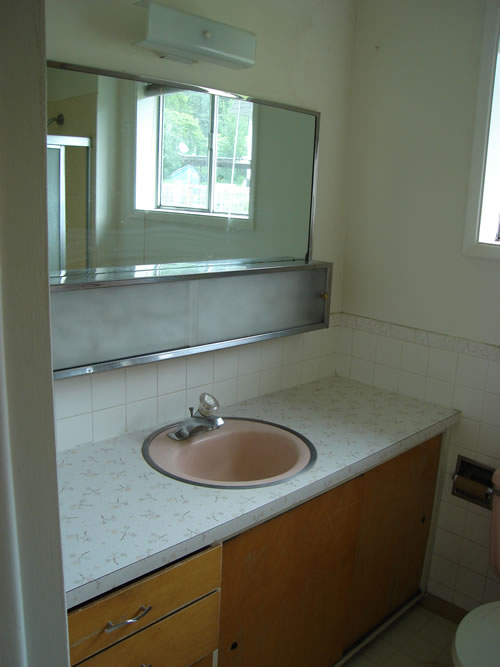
column 487, row 67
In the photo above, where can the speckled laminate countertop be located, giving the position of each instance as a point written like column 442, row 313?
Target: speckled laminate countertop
column 121, row 519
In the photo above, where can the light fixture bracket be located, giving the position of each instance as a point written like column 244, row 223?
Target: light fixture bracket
column 190, row 39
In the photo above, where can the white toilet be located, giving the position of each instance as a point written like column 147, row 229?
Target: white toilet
column 477, row 640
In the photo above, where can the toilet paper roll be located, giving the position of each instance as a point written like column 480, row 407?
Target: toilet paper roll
column 471, row 489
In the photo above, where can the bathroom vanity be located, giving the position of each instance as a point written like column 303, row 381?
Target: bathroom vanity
column 309, row 565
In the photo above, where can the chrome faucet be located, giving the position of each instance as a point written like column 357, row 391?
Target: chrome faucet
column 204, row 419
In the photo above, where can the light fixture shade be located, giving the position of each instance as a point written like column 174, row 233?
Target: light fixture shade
column 188, row 38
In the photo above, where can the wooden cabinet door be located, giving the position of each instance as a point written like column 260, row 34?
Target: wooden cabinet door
column 285, row 585
column 397, row 499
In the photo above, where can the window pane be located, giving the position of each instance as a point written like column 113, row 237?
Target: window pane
column 490, row 212
column 234, row 156
column 185, row 150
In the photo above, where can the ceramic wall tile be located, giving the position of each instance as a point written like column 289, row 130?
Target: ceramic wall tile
column 171, row 407
column 471, row 371
column 200, row 369
column 442, row 364
column 108, row 389
column 389, row 352
column 172, row 375
column 73, row 431
column 141, row 382
column 492, row 384
column 72, row 396
column 141, row 414
column 225, row 364
column 364, row 345
column 362, row 370
column 108, row 423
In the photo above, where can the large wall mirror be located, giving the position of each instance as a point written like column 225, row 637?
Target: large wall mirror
column 146, row 173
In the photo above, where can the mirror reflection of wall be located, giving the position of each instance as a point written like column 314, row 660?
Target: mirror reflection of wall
column 181, row 175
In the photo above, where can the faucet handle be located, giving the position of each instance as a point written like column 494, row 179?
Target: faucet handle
column 208, row 405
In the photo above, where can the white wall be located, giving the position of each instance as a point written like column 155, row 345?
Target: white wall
column 32, row 613
column 414, row 84
column 303, row 58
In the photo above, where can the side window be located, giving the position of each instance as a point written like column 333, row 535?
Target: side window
column 482, row 232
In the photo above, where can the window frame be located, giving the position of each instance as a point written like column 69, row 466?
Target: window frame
column 212, row 167
column 487, row 71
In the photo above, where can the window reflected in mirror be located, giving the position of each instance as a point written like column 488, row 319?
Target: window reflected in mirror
column 164, row 173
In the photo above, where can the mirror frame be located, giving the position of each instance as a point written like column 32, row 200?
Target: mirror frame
column 101, row 276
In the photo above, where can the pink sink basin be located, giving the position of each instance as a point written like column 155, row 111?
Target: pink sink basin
column 242, row 453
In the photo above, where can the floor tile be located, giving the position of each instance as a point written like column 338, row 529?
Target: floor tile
column 359, row 661
column 438, row 631
column 419, row 637
column 378, row 651
column 400, row 659
column 421, row 650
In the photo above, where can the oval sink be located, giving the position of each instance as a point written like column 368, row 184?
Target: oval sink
column 242, row 453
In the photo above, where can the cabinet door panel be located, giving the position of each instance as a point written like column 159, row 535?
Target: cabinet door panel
column 285, row 585
column 394, row 527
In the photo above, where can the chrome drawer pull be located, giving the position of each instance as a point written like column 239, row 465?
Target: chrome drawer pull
column 142, row 612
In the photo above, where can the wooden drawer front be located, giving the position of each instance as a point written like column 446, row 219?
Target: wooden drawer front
column 165, row 591
column 177, row 641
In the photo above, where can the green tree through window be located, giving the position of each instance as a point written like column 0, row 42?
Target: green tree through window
column 206, row 153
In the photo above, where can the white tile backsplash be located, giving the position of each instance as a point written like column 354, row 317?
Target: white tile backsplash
column 289, row 376
column 292, row 350
column 414, row 358
column 439, row 392
column 471, row 371
column 270, row 380
column 225, row 391
column 200, row 369
column 442, row 364
column 72, row 396
column 109, row 423
column 141, row 414
column 73, row 431
column 469, row 401
column 386, row 377
column 364, row 345
column 248, row 358
column 362, row 370
column 342, row 340
column 389, row 352
column 108, row 389
column 412, row 384
column 225, row 364
column 491, row 409
column 141, row 382
column 172, row 375
column 171, row 407
column 492, row 384
column 271, row 353
column 247, row 386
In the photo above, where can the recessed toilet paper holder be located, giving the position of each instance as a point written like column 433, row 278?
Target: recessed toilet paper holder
column 472, row 482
